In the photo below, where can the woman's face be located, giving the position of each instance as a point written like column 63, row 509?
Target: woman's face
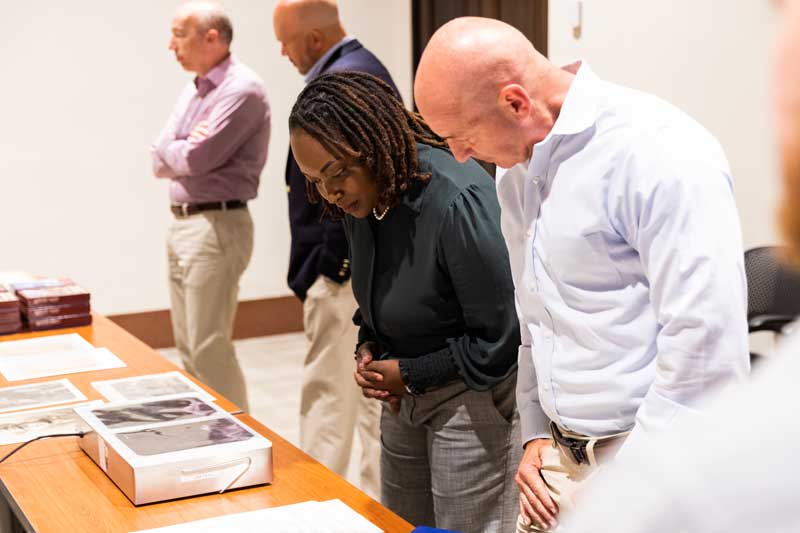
column 349, row 186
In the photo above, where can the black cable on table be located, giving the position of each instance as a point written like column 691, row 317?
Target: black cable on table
column 18, row 448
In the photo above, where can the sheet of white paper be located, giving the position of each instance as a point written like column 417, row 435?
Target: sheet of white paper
column 332, row 516
column 38, row 395
column 19, row 367
column 44, row 345
column 27, row 425
column 148, row 387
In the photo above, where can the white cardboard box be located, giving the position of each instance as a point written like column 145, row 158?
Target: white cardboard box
column 167, row 448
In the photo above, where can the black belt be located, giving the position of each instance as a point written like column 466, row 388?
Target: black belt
column 576, row 447
column 185, row 210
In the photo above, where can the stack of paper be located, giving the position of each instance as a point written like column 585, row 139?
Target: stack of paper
column 331, row 516
column 53, row 356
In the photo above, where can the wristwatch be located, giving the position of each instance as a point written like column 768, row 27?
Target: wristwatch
column 410, row 388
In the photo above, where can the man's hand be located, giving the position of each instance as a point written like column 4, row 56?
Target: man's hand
column 199, row 132
column 378, row 379
column 535, row 503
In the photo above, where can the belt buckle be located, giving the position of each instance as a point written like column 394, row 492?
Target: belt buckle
column 576, row 447
column 185, row 209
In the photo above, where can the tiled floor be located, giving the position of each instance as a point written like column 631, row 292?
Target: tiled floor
column 273, row 369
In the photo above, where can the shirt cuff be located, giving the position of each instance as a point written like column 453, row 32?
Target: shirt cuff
column 332, row 267
column 430, row 370
column 534, row 424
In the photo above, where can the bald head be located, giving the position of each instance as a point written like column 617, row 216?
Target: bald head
column 470, row 58
column 201, row 36
column 208, row 16
column 306, row 30
column 483, row 70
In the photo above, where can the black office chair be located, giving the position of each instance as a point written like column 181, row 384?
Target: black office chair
column 773, row 290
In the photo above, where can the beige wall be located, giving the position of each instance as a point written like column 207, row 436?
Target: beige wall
column 86, row 87
column 708, row 57
column 88, row 84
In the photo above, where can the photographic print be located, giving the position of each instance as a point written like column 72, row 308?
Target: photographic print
column 38, row 395
column 27, row 425
column 153, row 412
column 165, row 439
column 149, row 387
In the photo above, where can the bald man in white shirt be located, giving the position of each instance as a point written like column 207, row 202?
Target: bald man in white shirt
column 741, row 472
column 624, row 240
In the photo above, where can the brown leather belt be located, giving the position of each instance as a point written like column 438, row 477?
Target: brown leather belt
column 185, row 210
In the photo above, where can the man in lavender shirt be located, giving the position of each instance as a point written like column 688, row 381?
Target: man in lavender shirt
column 212, row 150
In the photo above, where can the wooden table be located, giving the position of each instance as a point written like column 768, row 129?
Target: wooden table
column 103, row 333
column 52, row 486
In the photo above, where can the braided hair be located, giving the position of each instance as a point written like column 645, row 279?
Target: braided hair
column 357, row 117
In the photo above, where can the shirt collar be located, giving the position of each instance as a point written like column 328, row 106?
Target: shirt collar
column 215, row 76
column 315, row 70
column 578, row 113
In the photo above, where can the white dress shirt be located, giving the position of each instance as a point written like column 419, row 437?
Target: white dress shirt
column 734, row 468
column 627, row 259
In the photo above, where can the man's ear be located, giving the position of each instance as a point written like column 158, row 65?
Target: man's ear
column 315, row 41
column 211, row 36
column 514, row 101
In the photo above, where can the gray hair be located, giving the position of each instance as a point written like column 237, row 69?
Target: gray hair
column 216, row 20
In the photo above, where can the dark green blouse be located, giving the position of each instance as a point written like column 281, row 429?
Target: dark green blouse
column 432, row 279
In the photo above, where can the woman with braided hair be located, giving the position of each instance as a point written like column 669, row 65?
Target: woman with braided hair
column 438, row 332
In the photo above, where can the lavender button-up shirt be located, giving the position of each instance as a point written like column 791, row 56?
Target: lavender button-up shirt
column 227, row 163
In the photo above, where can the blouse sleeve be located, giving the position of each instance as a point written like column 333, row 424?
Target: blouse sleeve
column 472, row 251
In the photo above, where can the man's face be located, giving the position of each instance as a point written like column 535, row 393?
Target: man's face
column 186, row 42
column 293, row 40
column 482, row 135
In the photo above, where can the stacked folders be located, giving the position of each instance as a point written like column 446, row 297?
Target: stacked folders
column 10, row 320
column 53, row 303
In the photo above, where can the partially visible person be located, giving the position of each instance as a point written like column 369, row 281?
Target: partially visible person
column 438, row 332
column 741, row 471
column 619, row 215
column 212, row 150
column 332, row 409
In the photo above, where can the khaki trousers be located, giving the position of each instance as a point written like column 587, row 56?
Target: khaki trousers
column 332, row 408
column 208, row 252
column 564, row 477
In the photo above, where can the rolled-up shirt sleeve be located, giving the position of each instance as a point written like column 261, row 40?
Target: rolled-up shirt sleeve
column 693, row 259
column 232, row 121
column 472, row 251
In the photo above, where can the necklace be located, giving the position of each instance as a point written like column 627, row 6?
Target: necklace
column 377, row 216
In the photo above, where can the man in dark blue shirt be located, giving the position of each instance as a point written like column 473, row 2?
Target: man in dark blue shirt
column 332, row 408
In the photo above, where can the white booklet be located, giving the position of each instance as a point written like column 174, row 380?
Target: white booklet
column 332, row 516
column 27, row 425
column 150, row 386
column 40, row 365
column 52, row 344
column 38, row 395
